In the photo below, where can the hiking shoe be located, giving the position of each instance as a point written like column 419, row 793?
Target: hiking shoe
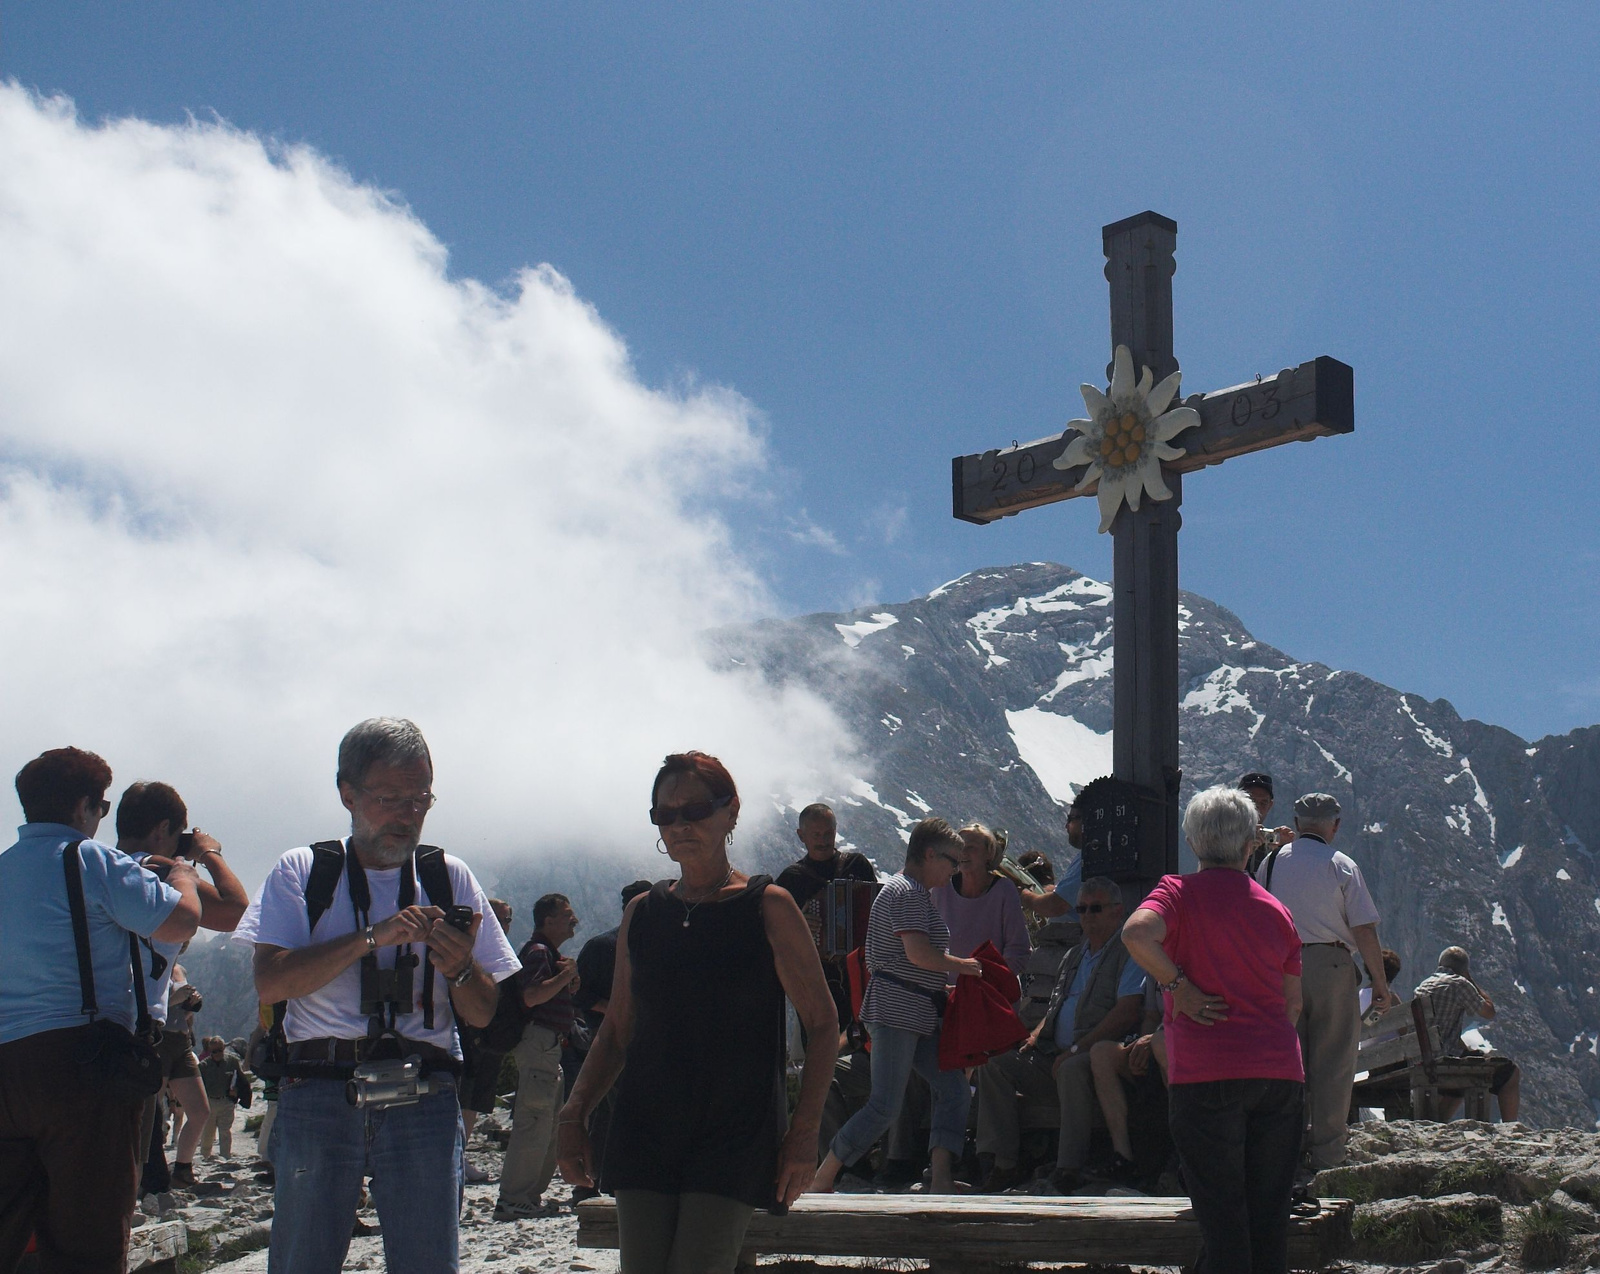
column 475, row 1175
column 183, row 1175
column 580, row 1193
column 1065, row 1180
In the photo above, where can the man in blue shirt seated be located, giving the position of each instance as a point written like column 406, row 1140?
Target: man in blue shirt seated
column 69, row 1152
column 1098, row 995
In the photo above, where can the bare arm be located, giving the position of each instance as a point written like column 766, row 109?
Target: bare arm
column 476, row 999
column 1120, row 1021
column 222, row 899
column 800, row 971
column 574, row 1156
column 184, row 919
column 536, row 993
column 1366, row 937
column 1048, row 904
column 286, row 973
column 921, row 953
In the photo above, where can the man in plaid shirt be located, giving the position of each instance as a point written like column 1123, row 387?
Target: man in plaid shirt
column 1454, row 995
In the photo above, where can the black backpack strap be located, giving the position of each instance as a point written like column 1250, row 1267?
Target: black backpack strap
column 144, row 1024
column 327, row 864
column 435, row 878
column 72, row 869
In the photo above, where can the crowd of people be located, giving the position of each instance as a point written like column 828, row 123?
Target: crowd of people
column 949, row 1014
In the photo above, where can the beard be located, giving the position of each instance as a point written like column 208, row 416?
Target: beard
column 386, row 851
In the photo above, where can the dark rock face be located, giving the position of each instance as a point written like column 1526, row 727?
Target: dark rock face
column 990, row 699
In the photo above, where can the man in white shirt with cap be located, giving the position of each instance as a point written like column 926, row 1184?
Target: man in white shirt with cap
column 1335, row 915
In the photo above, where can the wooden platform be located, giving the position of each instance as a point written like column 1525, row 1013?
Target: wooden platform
column 956, row 1230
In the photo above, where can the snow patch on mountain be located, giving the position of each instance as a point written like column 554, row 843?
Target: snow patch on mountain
column 853, row 633
column 1063, row 753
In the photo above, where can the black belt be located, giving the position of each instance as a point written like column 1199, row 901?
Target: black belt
column 335, row 1059
column 1340, row 945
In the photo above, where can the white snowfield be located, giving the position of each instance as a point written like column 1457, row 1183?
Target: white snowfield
column 1063, row 753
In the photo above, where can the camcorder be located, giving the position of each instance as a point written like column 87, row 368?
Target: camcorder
column 397, row 1081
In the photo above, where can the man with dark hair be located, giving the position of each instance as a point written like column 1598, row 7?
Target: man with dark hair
column 1257, row 785
column 547, row 981
column 806, row 879
column 597, row 965
column 151, row 818
column 353, row 934
column 69, row 1141
column 1098, row 995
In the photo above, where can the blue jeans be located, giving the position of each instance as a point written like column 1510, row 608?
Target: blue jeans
column 895, row 1054
column 322, row 1147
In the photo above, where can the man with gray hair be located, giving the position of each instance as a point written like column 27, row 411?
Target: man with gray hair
column 1454, row 996
column 1098, row 995
column 374, row 976
column 1335, row 916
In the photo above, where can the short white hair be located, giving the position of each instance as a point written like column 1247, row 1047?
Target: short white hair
column 1220, row 824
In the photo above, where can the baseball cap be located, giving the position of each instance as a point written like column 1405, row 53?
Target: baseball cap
column 1255, row 778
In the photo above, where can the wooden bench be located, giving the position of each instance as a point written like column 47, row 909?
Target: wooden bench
column 961, row 1234
column 1407, row 1073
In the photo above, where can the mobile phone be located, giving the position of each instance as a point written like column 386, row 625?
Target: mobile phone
column 459, row 918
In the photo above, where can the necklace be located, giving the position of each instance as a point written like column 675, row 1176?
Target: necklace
column 689, row 907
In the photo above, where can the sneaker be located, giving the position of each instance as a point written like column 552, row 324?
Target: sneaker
column 1065, row 1180
column 524, row 1211
column 476, row 1175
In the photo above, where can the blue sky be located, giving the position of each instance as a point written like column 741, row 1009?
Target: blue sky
column 881, row 225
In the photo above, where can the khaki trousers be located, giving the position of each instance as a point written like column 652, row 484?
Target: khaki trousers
column 1001, row 1078
column 1330, row 1030
column 531, row 1153
column 218, row 1126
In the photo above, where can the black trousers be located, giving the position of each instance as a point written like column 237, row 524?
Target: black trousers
column 1238, row 1141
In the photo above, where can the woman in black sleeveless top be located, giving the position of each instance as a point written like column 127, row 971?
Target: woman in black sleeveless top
column 699, row 1136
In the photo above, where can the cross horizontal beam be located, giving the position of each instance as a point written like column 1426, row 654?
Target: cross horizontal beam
column 1298, row 404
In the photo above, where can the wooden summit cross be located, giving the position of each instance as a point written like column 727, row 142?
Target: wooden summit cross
column 1298, row 403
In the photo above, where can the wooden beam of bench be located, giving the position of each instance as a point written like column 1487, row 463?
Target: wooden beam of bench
column 1007, row 1228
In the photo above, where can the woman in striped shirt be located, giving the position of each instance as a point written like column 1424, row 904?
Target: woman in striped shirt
column 910, row 965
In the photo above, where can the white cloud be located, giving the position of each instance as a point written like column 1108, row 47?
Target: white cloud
column 266, row 469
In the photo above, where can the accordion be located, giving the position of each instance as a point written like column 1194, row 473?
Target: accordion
column 846, row 907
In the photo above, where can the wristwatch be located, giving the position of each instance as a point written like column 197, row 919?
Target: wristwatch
column 372, row 939
column 465, row 976
column 1171, row 987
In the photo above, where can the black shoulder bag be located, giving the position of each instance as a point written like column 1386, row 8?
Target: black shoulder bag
column 115, row 1060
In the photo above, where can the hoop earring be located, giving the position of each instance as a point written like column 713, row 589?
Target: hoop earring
column 661, row 847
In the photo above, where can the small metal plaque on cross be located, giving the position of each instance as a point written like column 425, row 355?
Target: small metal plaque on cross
column 1298, row 403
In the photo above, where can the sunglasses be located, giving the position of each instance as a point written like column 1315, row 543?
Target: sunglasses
column 1091, row 908
column 694, row 812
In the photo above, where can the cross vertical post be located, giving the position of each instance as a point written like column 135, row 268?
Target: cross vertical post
column 1139, row 269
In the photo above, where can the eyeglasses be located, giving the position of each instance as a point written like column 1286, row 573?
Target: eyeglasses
column 393, row 804
column 694, row 812
column 1092, row 908
column 105, row 807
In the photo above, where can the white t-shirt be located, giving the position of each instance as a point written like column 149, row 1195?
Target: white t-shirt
column 277, row 916
column 157, row 988
column 1322, row 889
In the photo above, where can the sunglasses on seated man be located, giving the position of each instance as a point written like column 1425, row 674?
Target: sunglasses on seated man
column 1092, row 908
column 694, row 812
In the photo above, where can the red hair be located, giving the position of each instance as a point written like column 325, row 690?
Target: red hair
column 705, row 767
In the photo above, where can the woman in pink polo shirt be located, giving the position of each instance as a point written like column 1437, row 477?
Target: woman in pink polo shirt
column 1226, row 955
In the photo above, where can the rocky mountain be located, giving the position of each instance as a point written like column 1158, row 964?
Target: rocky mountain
column 990, row 699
